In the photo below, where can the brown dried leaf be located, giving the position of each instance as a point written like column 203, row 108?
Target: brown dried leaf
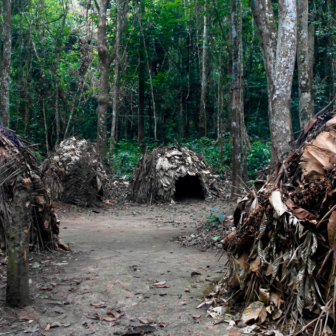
column 299, row 212
column 264, row 295
column 276, row 314
column 255, row 265
column 115, row 314
column 229, row 237
column 254, row 311
column 276, row 298
column 269, row 270
column 332, row 229
column 313, row 161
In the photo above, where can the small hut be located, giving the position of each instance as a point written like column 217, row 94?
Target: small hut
column 171, row 173
column 73, row 173
column 17, row 160
column 281, row 256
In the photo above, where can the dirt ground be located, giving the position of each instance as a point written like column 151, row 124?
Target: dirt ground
column 106, row 286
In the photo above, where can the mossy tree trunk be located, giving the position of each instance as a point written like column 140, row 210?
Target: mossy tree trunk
column 17, row 293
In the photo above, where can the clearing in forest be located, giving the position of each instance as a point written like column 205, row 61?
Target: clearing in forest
column 126, row 275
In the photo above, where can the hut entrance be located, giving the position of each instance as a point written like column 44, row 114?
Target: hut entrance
column 189, row 187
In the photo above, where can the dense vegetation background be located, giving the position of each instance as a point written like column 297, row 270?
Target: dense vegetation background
column 55, row 75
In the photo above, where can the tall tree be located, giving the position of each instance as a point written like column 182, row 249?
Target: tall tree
column 104, row 62
column 204, row 79
column 115, row 97
column 141, row 85
column 279, row 51
column 306, row 107
column 6, row 62
column 236, row 98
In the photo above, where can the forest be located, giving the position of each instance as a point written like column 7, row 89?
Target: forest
column 135, row 74
column 133, row 129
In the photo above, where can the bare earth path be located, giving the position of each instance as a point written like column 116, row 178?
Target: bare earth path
column 119, row 254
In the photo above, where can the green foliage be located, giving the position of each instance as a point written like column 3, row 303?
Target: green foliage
column 126, row 157
column 259, row 157
column 215, row 217
column 48, row 40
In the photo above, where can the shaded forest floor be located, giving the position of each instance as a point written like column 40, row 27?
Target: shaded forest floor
column 119, row 253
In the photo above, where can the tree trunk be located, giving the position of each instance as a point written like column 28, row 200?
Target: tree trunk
column 141, row 104
column 116, row 83
column 26, row 110
column 245, row 143
column 141, row 92
column 281, row 124
column 204, row 80
column 103, row 98
column 6, row 62
column 236, row 100
column 57, row 117
column 304, row 65
column 311, row 51
column 17, row 293
column 279, row 49
column 45, row 125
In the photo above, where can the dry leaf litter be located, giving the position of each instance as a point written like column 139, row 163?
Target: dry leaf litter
column 281, row 266
column 17, row 159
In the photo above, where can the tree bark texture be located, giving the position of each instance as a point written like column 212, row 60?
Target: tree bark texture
column 204, row 80
column 103, row 98
column 17, row 293
column 311, row 52
column 45, row 125
column 6, row 62
column 236, row 101
column 306, row 107
column 245, row 143
column 57, row 116
column 116, row 83
column 279, row 50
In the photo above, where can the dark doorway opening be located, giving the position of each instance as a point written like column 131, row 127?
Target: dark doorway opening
column 189, row 187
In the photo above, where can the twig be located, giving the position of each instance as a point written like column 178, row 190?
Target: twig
column 319, row 113
column 326, row 215
column 306, row 326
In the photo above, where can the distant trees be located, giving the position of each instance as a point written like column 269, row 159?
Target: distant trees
column 154, row 71
column 6, row 62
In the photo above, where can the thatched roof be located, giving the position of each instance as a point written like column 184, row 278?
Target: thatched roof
column 18, row 159
column 155, row 176
column 73, row 173
column 282, row 254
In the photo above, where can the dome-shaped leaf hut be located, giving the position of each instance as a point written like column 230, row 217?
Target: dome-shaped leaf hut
column 17, row 161
column 171, row 173
column 73, row 173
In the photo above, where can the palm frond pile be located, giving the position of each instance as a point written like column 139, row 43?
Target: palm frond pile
column 73, row 173
column 281, row 257
column 17, row 159
column 156, row 175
